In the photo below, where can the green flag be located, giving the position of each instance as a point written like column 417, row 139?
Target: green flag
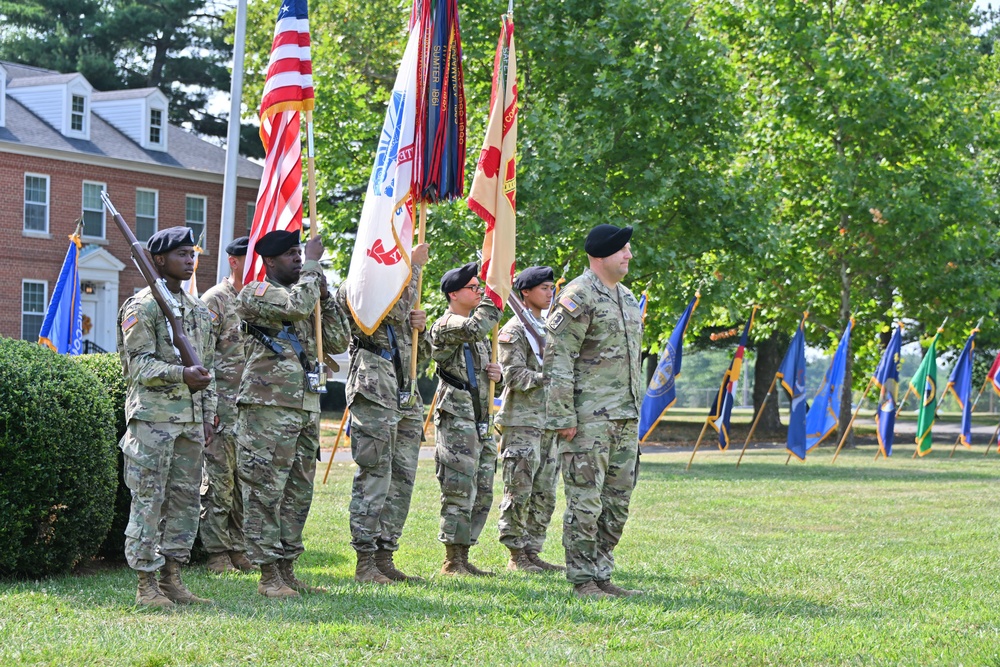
column 924, row 384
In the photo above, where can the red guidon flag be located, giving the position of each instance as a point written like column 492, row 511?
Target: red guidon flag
column 494, row 187
column 288, row 89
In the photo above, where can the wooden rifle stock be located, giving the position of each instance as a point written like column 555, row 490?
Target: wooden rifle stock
column 527, row 320
column 164, row 299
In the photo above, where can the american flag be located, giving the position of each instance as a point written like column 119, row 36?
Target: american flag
column 288, row 89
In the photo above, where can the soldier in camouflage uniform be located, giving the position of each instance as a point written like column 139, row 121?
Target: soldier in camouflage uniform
column 385, row 434
column 594, row 391
column 464, row 454
column 527, row 449
column 221, row 528
column 277, row 430
column 170, row 410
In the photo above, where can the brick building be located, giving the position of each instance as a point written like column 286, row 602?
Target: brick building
column 61, row 143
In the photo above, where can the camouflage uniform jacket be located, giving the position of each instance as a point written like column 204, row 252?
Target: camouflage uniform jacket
column 592, row 354
column 373, row 376
column 523, row 394
column 154, row 373
column 279, row 380
column 221, row 301
column 448, row 334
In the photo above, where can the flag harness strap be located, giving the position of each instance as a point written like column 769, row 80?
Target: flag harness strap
column 471, row 386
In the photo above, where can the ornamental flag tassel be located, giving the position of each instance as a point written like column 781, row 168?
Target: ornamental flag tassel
column 288, row 89
column 494, row 188
column 380, row 265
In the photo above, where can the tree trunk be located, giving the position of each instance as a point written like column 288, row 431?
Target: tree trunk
column 652, row 360
column 846, row 407
column 770, row 352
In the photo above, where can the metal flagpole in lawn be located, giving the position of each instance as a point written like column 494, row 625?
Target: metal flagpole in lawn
column 850, row 424
column 757, row 419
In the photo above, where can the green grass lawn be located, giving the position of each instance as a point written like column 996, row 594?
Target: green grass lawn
column 892, row 563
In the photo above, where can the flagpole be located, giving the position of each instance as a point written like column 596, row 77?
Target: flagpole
column 340, row 429
column 850, row 424
column 430, row 413
column 753, row 427
column 314, row 231
column 494, row 335
column 909, row 388
column 696, row 445
column 227, row 225
column 992, row 440
column 414, row 334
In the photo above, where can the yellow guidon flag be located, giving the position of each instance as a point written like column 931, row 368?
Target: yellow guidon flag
column 494, row 188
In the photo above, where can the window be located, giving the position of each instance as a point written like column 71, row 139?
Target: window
column 36, row 203
column 33, row 298
column 93, row 210
column 76, row 113
column 155, row 126
column 194, row 217
column 251, row 211
column 145, row 214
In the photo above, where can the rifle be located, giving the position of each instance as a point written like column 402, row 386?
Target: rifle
column 164, row 299
column 528, row 320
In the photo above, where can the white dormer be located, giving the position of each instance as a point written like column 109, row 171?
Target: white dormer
column 3, row 95
column 140, row 114
column 61, row 100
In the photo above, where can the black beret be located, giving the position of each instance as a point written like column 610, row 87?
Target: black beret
column 456, row 279
column 238, row 247
column 166, row 240
column 277, row 242
column 533, row 276
column 606, row 240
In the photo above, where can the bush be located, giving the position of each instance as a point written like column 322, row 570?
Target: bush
column 108, row 369
column 57, row 461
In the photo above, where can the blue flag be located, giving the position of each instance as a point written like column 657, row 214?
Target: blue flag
column 642, row 305
column 792, row 373
column 662, row 393
column 62, row 329
column 960, row 384
column 887, row 379
column 721, row 412
column 824, row 413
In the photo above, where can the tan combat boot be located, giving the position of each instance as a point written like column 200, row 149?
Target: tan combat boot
column 241, row 562
column 219, row 563
column 453, row 561
column 519, row 562
column 149, row 594
column 286, row 568
column 383, row 561
column 271, row 584
column 174, row 588
column 617, row 591
column 473, row 570
column 367, row 571
column 550, row 567
column 590, row 589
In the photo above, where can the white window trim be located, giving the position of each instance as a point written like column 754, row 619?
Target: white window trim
column 163, row 127
column 156, row 208
column 83, row 113
column 104, row 215
column 24, row 200
column 253, row 205
column 68, row 118
column 3, row 98
column 45, row 301
column 204, row 209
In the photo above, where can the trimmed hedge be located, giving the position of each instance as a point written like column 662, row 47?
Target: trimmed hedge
column 57, row 461
column 108, row 369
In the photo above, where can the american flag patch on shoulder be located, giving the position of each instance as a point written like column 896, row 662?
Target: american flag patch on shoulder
column 568, row 304
column 214, row 315
column 261, row 288
column 129, row 322
column 504, row 337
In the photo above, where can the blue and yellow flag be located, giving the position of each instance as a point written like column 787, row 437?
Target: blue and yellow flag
column 62, row 330
column 662, row 392
column 960, row 384
column 887, row 378
column 824, row 412
column 721, row 412
column 643, row 300
column 792, row 373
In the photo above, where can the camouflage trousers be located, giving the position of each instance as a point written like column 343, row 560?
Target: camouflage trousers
column 465, row 466
column 163, row 472
column 530, row 466
column 385, row 444
column 276, row 459
column 221, row 497
column 599, row 469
